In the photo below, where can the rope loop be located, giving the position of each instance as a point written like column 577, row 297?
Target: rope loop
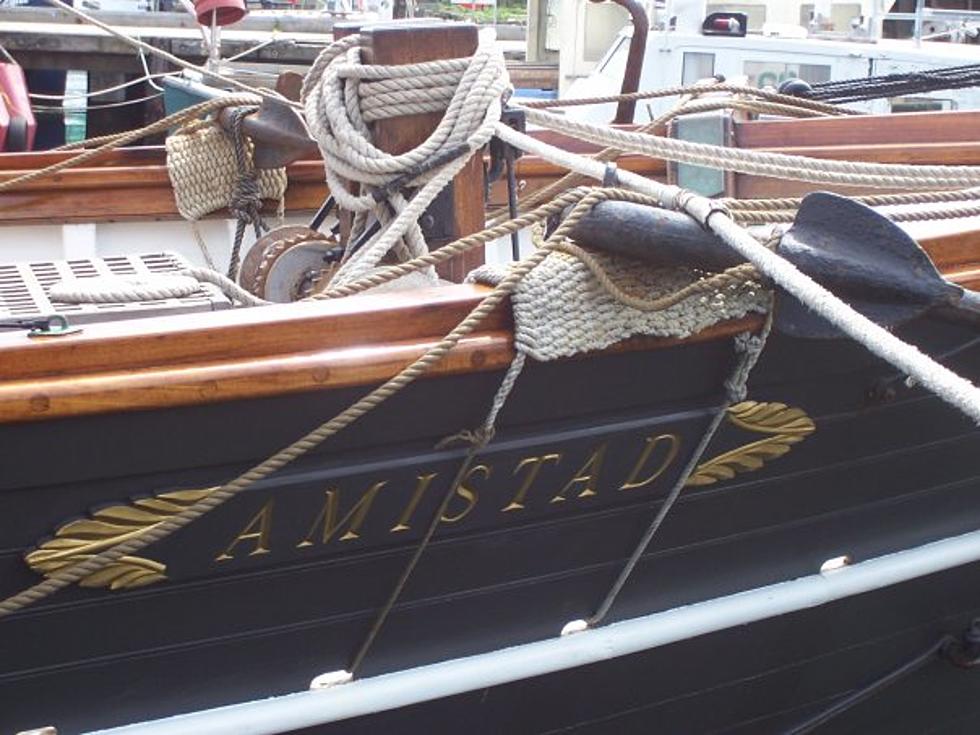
column 246, row 201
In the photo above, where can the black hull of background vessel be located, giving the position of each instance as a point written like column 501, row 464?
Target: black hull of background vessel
column 281, row 584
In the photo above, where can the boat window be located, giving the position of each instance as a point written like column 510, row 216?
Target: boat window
column 920, row 104
column 697, row 66
column 756, row 12
column 773, row 73
column 842, row 15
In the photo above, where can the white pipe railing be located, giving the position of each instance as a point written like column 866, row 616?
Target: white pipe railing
column 446, row 679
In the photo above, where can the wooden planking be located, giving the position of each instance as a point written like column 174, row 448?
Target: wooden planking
column 140, row 177
column 138, row 193
column 65, row 202
column 911, row 127
column 747, row 186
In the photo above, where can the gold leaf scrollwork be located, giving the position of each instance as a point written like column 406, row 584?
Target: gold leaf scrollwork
column 82, row 539
column 785, row 426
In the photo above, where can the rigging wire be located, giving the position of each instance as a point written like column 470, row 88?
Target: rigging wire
column 105, row 106
column 85, row 95
column 257, row 47
column 166, row 55
column 146, row 68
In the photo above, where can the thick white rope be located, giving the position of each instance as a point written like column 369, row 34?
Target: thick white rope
column 780, row 165
column 943, row 382
column 341, row 96
column 150, row 287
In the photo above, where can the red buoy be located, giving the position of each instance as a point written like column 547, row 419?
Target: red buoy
column 20, row 126
column 226, row 11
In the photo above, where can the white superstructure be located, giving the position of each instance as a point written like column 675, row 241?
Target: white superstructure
column 682, row 55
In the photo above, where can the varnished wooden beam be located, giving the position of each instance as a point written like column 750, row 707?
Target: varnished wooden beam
column 911, row 127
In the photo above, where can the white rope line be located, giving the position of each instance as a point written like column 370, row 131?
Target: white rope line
column 150, row 287
column 86, row 95
column 941, row 381
column 780, row 165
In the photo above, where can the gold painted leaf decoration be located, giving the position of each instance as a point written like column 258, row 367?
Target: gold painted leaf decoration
column 786, row 425
column 84, row 538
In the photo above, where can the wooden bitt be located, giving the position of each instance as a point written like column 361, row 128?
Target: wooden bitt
column 413, row 43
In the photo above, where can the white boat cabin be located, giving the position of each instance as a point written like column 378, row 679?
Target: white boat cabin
column 683, row 55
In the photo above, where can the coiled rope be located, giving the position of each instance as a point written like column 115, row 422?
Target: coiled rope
column 341, row 95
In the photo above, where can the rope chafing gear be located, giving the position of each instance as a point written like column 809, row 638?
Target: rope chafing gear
column 944, row 383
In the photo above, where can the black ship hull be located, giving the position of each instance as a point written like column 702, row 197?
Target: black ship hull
column 282, row 584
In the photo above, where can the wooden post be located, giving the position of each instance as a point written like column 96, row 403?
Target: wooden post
column 411, row 43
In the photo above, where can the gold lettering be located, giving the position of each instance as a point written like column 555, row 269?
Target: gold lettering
column 354, row 518
column 421, row 486
column 470, row 496
column 258, row 529
column 588, row 474
column 651, row 444
column 535, row 463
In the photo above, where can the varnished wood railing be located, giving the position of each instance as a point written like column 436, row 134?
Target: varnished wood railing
column 141, row 186
column 219, row 356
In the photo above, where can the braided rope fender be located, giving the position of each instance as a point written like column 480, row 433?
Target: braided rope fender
column 562, row 309
column 201, row 165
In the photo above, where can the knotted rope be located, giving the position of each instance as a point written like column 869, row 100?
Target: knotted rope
column 341, row 96
column 246, row 195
